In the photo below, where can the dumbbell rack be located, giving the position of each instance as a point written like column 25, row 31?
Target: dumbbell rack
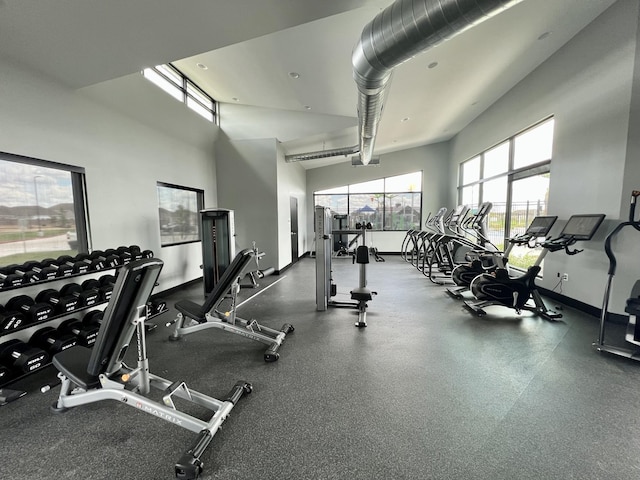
column 25, row 331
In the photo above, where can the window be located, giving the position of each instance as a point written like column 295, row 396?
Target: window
column 178, row 213
column 176, row 84
column 391, row 203
column 514, row 177
column 42, row 210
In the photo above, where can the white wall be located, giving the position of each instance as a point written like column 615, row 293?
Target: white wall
column 587, row 86
column 292, row 180
column 123, row 160
column 247, row 184
column 431, row 159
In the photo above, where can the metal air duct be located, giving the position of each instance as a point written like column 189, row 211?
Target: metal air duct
column 395, row 35
column 336, row 152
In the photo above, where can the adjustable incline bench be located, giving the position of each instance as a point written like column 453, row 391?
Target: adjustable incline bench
column 92, row 375
column 209, row 316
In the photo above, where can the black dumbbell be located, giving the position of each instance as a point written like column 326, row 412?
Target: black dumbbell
column 110, row 260
column 9, row 278
column 61, row 303
column 10, row 319
column 136, row 253
column 22, row 357
column 125, row 255
column 26, row 272
column 147, row 254
column 86, row 298
column 85, row 334
column 5, row 374
column 52, row 341
column 157, row 306
column 77, row 266
column 45, row 272
column 62, row 269
column 104, row 291
column 34, row 312
column 94, row 263
column 93, row 317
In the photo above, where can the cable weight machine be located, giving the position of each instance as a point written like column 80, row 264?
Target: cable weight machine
column 325, row 288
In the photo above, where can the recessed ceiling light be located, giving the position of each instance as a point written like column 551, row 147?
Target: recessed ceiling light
column 432, row 65
column 294, row 74
column 405, row 119
column 202, row 66
column 544, row 35
column 235, row 99
column 307, row 107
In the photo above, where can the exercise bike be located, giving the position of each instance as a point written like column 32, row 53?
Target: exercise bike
column 498, row 288
column 632, row 334
column 462, row 275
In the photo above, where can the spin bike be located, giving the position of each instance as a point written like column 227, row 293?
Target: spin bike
column 498, row 288
column 463, row 274
column 632, row 334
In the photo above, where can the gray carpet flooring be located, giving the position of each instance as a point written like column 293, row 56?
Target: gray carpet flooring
column 426, row 391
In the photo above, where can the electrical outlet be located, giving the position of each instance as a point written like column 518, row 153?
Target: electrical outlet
column 565, row 277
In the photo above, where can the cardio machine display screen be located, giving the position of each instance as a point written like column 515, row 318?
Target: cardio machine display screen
column 582, row 227
column 540, row 226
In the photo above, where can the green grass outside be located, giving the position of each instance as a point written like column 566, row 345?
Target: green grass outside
column 16, row 236
column 20, row 258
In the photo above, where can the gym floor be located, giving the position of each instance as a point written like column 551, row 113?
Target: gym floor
column 426, row 391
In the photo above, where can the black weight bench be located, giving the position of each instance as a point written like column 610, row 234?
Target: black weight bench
column 193, row 317
column 92, row 375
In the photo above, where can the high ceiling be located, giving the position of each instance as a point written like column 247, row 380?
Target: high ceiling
column 250, row 47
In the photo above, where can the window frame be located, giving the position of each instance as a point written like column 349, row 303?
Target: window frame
column 199, row 207
column 384, row 195
column 184, row 87
column 512, row 174
column 78, row 189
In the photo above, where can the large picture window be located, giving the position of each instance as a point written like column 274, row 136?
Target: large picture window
column 178, row 213
column 514, row 176
column 42, row 210
column 391, row 203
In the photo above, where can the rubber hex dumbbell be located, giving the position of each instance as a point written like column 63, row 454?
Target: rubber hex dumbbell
column 45, row 272
column 77, row 266
column 113, row 257
column 93, row 317
column 85, row 334
column 61, row 303
column 62, row 269
column 9, row 278
column 125, row 255
column 96, row 263
column 26, row 272
column 110, row 260
column 52, row 341
column 157, row 306
column 86, row 298
column 106, row 284
column 10, row 319
column 5, row 374
column 104, row 291
column 22, row 357
column 34, row 312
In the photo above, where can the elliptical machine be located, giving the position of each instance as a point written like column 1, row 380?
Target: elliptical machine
column 498, row 288
column 463, row 274
column 632, row 334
